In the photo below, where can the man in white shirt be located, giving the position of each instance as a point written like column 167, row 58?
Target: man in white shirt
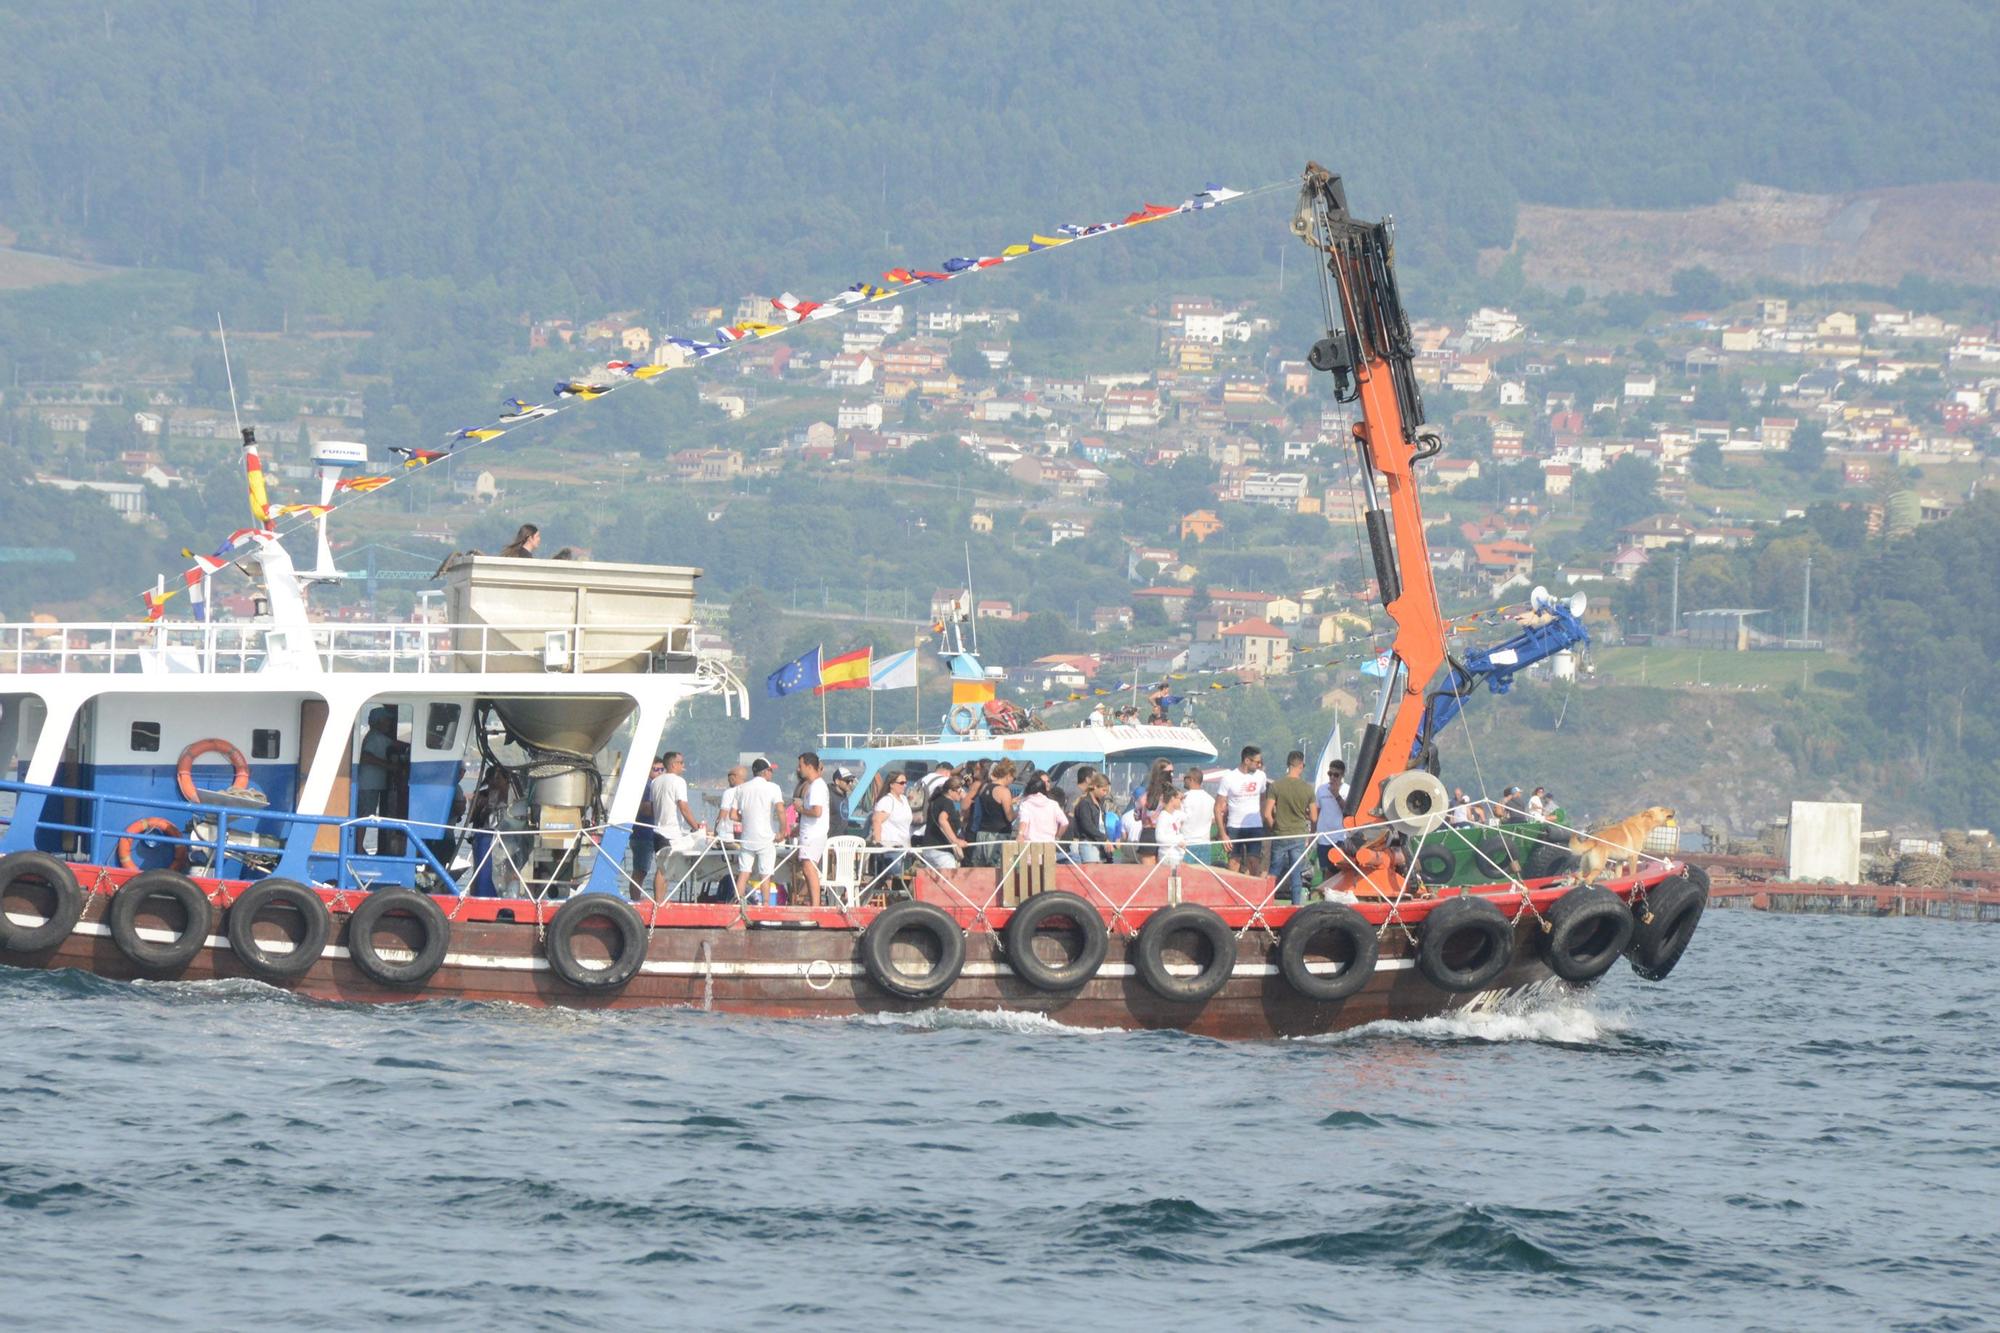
column 813, row 803
column 728, row 814
column 674, row 821
column 760, row 813
column 1329, row 819
column 1198, row 819
column 1243, row 824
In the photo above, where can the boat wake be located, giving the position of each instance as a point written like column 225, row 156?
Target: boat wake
column 1558, row 1018
column 978, row 1020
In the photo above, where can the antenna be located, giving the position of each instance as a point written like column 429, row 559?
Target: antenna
column 228, row 373
column 971, row 601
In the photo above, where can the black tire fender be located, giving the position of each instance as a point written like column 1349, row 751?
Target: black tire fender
column 1148, row 953
column 1313, row 922
column 262, row 963
column 1435, row 865
column 419, row 907
column 878, row 943
column 160, row 955
column 65, row 910
column 1017, row 937
column 1549, row 855
column 1589, row 928
column 1664, row 922
column 1464, row 943
column 560, row 945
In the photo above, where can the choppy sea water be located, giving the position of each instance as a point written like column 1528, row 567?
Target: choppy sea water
column 1801, row 1128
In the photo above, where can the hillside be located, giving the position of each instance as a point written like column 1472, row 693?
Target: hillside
column 656, row 155
column 1949, row 232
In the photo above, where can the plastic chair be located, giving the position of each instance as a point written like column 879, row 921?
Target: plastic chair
column 842, row 875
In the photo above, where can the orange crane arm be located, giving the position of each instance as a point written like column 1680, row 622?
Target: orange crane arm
column 1369, row 352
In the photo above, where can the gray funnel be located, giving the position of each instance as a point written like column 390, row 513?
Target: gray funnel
column 577, row 725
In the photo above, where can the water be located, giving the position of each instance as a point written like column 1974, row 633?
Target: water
column 1800, row 1128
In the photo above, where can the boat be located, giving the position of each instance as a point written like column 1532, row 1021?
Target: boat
column 401, row 812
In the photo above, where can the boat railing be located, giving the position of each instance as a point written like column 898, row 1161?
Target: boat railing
column 872, row 740
column 393, row 647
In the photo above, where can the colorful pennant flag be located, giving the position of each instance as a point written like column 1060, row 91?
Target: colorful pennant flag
column 418, row 457
column 362, row 484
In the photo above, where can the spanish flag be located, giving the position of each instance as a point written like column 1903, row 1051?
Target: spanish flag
column 849, row 671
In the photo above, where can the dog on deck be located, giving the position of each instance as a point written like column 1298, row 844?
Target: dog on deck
column 1617, row 844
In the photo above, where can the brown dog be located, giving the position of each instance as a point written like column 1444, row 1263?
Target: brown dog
column 1620, row 843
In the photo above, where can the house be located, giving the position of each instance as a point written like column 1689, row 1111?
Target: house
column 1776, row 432
column 1234, row 604
column 1497, row 326
column 859, row 416
column 1200, row 525
column 998, row 609
column 1628, row 562
column 1657, row 533
column 982, row 522
column 126, row 498
column 1773, row 311
column 706, row 464
column 1256, row 645
column 1280, row 490
column 1106, row 618
column 1171, row 599
column 1740, row 338
column 850, row 370
column 1451, row 472
column 1556, row 478
column 1296, row 378
column 1128, row 407
column 1513, row 393
column 1642, row 385
column 636, row 339
column 1066, row 529
column 1503, row 559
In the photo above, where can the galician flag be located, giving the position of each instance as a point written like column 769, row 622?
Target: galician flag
column 849, row 671
column 898, row 671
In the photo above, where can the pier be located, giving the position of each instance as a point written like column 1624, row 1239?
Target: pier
column 1749, row 882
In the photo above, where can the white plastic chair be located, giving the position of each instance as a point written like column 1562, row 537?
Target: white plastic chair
column 843, row 867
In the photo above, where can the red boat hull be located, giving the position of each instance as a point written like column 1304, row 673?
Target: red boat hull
column 802, row 963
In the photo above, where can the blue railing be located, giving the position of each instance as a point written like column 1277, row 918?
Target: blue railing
column 296, row 855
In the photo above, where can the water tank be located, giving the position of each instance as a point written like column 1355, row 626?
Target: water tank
column 523, row 615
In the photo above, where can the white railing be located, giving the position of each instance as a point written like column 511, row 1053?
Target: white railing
column 399, row 647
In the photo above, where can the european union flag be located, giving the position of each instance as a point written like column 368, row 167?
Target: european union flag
column 794, row 677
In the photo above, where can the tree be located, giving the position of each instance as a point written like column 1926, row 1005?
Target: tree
column 1707, row 465
column 1807, row 450
column 1698, row 289
column 968, row 362
column 1622, row 493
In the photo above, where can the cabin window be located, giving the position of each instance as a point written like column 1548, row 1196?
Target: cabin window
column 441, row 726
column 264, row 743
column 145, row 737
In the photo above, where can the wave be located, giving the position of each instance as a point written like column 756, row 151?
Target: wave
column 1017, row 1021
column 1567, row 1018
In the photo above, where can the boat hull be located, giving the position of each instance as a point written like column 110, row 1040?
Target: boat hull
column 782, row 963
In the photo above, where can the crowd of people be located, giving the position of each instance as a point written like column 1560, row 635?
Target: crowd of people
column 1510, row 807
column 947, row 816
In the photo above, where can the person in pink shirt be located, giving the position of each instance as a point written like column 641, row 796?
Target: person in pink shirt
column 1038, row 817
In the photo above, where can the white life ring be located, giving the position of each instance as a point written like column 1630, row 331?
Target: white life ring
column 962, row 720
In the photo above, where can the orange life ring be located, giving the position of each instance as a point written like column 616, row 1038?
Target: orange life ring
column 151, row 824
column 184, row 771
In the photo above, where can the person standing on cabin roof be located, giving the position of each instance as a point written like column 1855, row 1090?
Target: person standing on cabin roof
column 760, row 814
column 1243, row 825
column 675, row 822
column 814, row 803
column 371, row 781
column 526, row 539
column 1291, row 806
column 1097, row 716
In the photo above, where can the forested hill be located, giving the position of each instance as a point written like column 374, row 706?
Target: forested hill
column 662, row 153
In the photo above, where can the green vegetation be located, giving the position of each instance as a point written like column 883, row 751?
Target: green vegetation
column 1687, row 666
